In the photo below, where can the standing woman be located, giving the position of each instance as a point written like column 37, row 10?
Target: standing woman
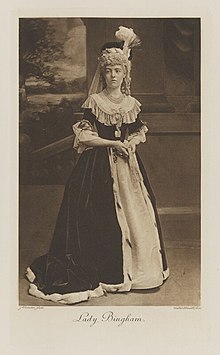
column 107, row 236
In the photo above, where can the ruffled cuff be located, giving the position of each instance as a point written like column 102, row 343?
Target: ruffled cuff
column 138, row 136
column 84, row 133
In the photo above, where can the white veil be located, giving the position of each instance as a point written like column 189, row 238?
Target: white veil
column 96, row 85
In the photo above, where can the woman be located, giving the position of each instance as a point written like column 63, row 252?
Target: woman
column 107, row 236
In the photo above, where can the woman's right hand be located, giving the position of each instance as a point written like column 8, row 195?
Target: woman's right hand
column 121, row 148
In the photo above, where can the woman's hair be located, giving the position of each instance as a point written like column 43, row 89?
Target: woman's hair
column 116, row 45
column 115, row 56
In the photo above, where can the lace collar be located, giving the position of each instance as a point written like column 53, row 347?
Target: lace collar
column 109, row 113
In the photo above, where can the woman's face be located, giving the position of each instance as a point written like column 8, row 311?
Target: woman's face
column 114, row 75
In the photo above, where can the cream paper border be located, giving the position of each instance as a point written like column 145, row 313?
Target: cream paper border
column 166, row 330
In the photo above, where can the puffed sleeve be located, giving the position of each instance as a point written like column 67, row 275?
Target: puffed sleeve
column 137, row 130
column 84, row 132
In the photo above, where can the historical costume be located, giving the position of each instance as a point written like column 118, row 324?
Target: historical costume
column 107, row 236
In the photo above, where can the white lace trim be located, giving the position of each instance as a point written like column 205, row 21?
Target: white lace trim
column 109, row 113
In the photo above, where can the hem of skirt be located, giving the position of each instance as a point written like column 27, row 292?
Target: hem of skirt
column 67, row 298
column 123, row 287
column 145, row 286
column 127, row 286
column 81, row 296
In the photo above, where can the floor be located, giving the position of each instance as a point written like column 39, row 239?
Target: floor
column 181, row 229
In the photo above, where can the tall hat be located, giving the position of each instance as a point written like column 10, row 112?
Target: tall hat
column 115, row 52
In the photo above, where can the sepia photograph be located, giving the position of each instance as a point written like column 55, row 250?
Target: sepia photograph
column 109, row 161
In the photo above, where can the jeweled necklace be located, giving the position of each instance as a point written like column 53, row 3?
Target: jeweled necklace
column 115, row 100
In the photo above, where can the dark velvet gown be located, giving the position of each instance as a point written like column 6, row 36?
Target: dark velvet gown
column 86, row 253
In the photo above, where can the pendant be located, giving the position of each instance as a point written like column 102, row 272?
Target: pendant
column 118, row 134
